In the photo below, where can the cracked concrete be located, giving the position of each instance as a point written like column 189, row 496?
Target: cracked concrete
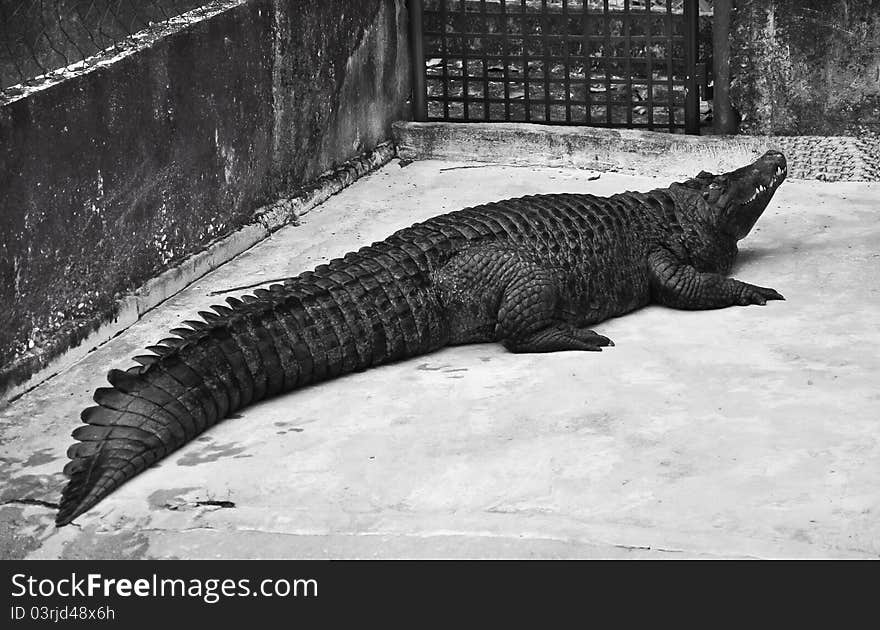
column 739, row 433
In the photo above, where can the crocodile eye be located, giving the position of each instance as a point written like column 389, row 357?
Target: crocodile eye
column 713, row 193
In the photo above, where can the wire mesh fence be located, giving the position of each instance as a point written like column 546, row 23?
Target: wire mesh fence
column 40, row 36
column 617, row 63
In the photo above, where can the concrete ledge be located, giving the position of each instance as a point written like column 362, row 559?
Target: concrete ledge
column 630, row 151
column 43, row 364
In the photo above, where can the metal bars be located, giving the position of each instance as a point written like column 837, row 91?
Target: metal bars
column 611, row 63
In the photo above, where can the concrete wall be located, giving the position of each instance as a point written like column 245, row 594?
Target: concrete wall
column 806, row 66
column 113, row 175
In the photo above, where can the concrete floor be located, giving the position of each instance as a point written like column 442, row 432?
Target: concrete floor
column 745, row 432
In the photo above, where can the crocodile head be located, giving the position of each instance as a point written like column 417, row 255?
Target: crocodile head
column 735, row 200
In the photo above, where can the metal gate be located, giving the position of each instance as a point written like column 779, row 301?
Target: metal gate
column 608, row 63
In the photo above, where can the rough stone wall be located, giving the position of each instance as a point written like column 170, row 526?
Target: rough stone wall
column 113, row 176
column 342, row 79
column 806, row 66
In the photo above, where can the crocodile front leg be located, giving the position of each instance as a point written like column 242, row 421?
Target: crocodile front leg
column 681, row 286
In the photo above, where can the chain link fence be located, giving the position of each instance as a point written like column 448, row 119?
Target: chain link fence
column 39, row 36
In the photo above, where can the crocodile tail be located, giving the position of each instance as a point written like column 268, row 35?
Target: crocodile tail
column 189, row 383
column 259, row 347
column 315, row 327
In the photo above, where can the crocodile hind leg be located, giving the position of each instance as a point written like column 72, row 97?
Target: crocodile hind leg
column 555, row 337
column 530, row 318
column 498, row 293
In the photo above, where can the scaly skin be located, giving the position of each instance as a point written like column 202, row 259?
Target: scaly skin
column 532, row 273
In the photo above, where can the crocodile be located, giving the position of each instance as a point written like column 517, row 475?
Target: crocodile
column 533, row 273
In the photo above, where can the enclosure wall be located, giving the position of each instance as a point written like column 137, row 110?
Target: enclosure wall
column 806, row 66
column 115, row 174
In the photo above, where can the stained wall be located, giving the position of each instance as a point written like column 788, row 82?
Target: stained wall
column 115, row 174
